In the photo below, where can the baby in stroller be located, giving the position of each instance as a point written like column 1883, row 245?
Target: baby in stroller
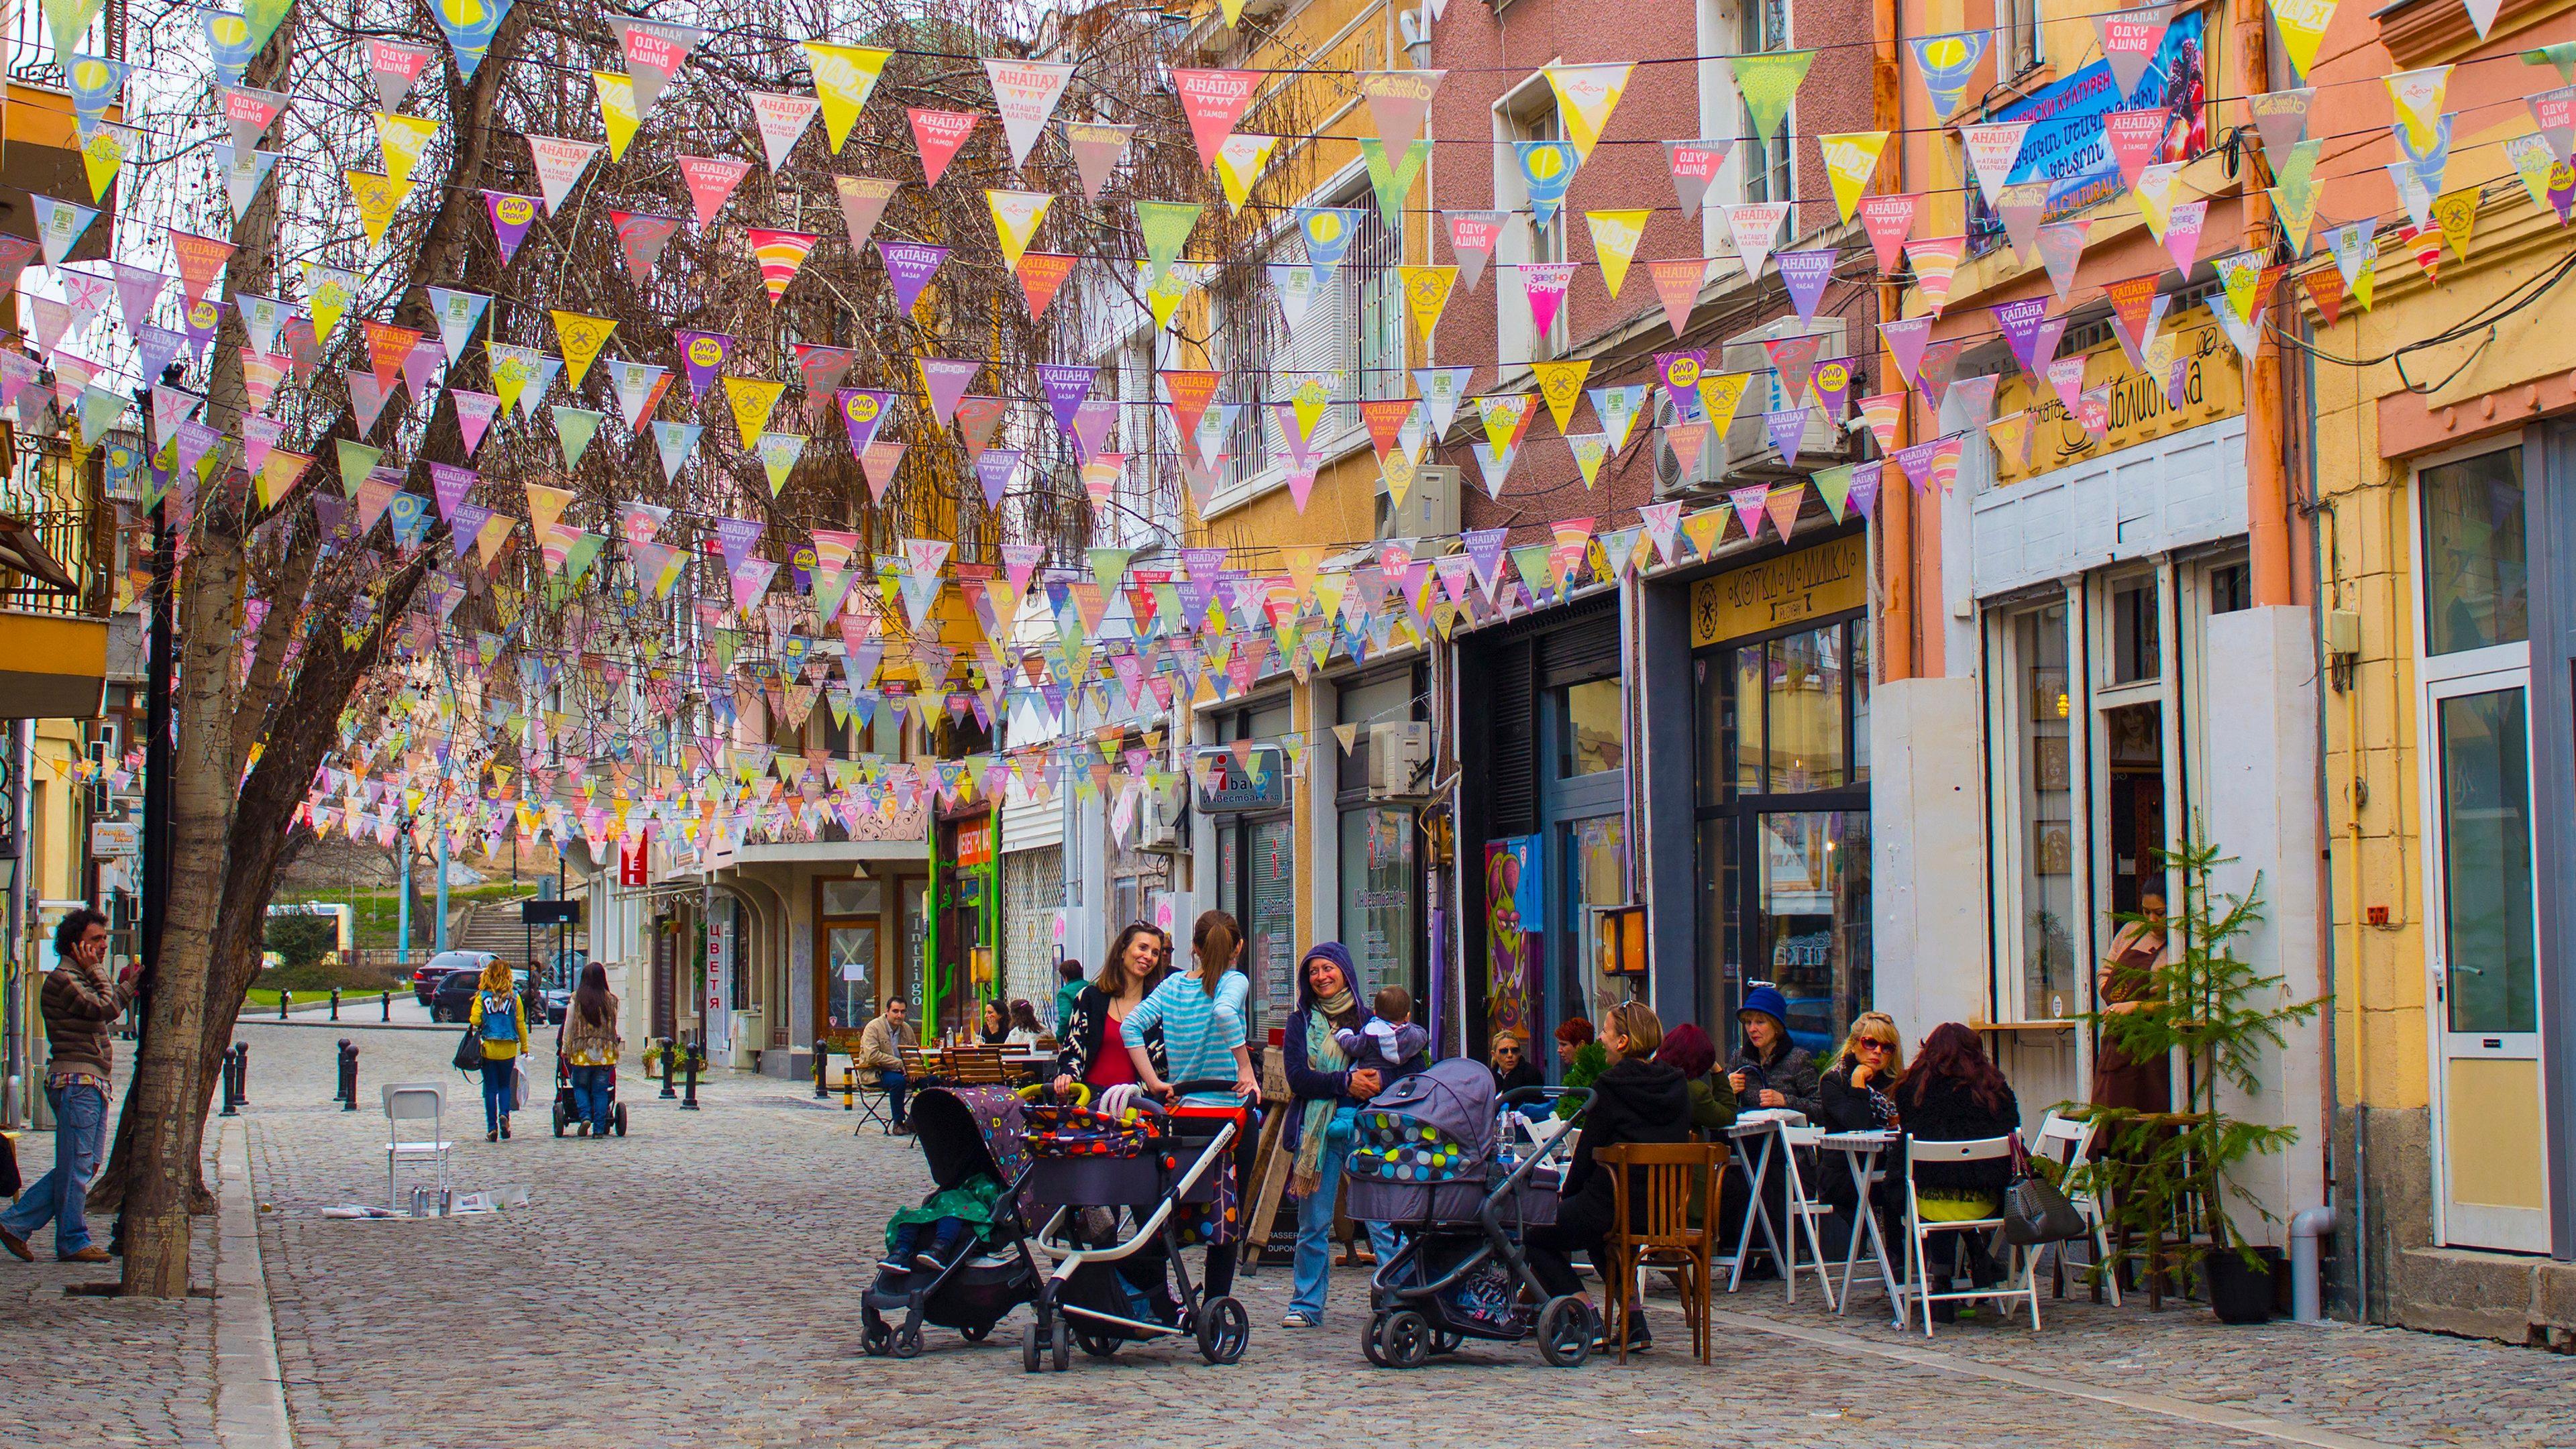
column 956, row 1218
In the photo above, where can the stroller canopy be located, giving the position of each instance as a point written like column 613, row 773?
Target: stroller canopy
column 967, row 1130
column 1456, row 1096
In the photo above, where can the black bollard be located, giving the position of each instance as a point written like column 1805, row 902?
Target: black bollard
column 232, row 1069
column 670, row 1068
column 386, row 1001
column 335, row 1003
column 822, row 1059
column 697, row 1059
column 241, row 1074
column 283, row 999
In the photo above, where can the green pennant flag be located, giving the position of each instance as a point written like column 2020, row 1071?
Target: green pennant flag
column 1109, row 565
column 1167, row 226
column 575, row 427
column 263, row 17
column 357, row 460
column 1531, row 563
column 1391, row 182
column 1834, row 486
column 1769, row 82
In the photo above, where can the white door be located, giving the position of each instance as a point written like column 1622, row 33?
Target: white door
column 2483, row 943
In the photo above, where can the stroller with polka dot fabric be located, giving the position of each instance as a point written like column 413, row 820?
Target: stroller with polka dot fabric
column 1428, row 1157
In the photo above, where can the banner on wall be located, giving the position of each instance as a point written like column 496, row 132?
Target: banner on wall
column 1515, row 917
column 2068, row 143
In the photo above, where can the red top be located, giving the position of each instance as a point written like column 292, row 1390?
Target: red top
column 1113, row 1067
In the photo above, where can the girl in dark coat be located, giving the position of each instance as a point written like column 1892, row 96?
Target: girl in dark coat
column 1638, row 1099
column 1952, row 1093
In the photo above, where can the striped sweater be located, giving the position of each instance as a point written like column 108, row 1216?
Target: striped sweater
column 1200, row 1029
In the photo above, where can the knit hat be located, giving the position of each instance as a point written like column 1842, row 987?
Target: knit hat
column 1333, row 951
column 1768, row 1001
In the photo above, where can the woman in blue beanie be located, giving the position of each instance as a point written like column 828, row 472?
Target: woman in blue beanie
column 1768, row 1070
column 1327, row 1094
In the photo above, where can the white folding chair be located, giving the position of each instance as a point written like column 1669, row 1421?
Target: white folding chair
column 409, row 1108
column 2067, row 1141
column 1919, row 1154
column 1804, row 1212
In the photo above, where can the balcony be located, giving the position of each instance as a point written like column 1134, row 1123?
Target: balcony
column 57, row 554
column 44, row 153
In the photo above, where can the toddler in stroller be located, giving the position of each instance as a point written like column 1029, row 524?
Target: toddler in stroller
column 1426, row 1161
column 960, row 1259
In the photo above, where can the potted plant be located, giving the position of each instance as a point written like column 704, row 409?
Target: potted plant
column 2167, row 1178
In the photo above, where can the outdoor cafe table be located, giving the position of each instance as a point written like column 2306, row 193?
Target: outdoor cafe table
column 1861, row 1152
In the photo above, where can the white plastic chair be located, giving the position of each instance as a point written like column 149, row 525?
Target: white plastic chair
column 1919, row 1153
column 408, row 1106
column 2067, row 1141
column 1804, row 1212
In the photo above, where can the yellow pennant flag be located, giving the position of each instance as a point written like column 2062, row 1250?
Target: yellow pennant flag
column 1586, row 95
column 1719, row 392
column 616, row 109
column 546, row 506
column 1589, row 449
column 1162, row 294
column 1016, row 215
column 752, row 399
column 581, row 338
column 278, row 473
column 1615, row 235
column 1302, row 559
column 843, row 77
column 1706, row 527
column 1426, row 293
column 1851, row 158
column 1308, row 399
column 2302, row 24
column 103, row 155
column 404, row 139
column 326, row 296
column 1398, row 469
column 377, row 196
column 1561, row 383
column 1238, row 165
column 2456, row 213
column 1505, row 418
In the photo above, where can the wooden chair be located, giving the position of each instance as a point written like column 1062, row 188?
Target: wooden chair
column 1666, row 1174
column 975, row 1066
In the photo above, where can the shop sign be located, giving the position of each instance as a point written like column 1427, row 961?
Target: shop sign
column 116, row 838
column 975, row 842
column 2213, row 387
column 1830, row 578
column 1228, row 785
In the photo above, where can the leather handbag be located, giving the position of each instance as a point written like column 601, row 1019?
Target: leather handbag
column 469, row 1051
column 2034, row 1211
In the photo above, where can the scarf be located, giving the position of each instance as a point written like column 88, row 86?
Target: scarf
column 1323, row 1054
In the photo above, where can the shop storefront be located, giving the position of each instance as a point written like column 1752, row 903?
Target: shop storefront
column 1780, row 673
column 1241, row 789
column 1376, row 839
column 966, row 928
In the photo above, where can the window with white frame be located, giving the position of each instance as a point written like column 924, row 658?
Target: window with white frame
column 1350, row 334
column 1763, row 25
column 1146, row 510
column 2018, row 43
column 1527, row 112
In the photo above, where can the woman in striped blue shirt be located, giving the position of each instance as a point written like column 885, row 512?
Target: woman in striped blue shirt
column 1203, row 1013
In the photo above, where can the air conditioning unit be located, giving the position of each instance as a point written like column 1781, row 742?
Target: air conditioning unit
column 1399, row 761
column 1158, row 828
column 1430, row 506
column 1744, row 453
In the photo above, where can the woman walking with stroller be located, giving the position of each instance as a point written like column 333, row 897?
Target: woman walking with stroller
column 501, row 1026
column 1204, row 1019
column 590, row 1048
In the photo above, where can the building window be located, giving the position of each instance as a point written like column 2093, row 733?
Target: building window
column 1763, row 25
column 2476, row 587
column 1528, row 113
column 1256, row 876
column 1590, row 738
column 2231, row 588
column 2490, row 951
column 2044, row 796
column 2018, row 47
column 1380, row 885
column 2137, row 640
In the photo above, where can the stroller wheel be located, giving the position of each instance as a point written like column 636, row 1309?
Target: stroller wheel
column 1098, row 1343
column 1061, row 1346
column 875, row 1339
column 559, row 1119
column 621, row 1119
column 1225, row 1330
column 907, row 1341
column 1369, row 1339
column 975, row 1332
column 1447, row 1340
column 1029, row 1349
column 1404, row 1340
column 1565, row 1328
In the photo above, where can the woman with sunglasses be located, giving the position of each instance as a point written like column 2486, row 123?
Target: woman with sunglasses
column 1512, row 1067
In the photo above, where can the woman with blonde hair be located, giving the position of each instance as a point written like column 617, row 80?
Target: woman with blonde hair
column 1635, row 1099
column 1855, row 1088
column 501, row 1025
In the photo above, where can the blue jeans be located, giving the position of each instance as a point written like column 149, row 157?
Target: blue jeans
column 590, row 1097
column 500, row 1088
column 62, row 1195
column 1314, row 1260
column 894, row 1084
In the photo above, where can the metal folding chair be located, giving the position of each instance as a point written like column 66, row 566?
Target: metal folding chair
column 409, row 1108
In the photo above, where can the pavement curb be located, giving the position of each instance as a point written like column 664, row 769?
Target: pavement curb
column 250, row 1391
column 2288, row 1431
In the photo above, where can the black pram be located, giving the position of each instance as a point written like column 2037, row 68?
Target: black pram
column 962, row 1131
column 1428, row 1158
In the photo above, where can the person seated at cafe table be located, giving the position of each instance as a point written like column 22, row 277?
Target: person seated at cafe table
column 1512, row 1070
column 1025, row 1031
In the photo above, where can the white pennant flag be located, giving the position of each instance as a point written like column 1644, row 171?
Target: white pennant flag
column 1026, row 91
column 782, row 121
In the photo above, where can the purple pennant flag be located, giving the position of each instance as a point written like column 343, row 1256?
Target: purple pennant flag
column 463, row 526
column 200, row 323
column 1679, row 371
column 863, row 413
column 137, row 288
column 1905, row 341
column 1864, row 486
column 1786, row 427
column 2020, row 322
column 909, row 266
column 947, row 378
column 155, row 348
column 735, row 536
column 196, row 439
column 1065, row 386
column 449, row 484
column 2061, row 246
column 1806, row 273
column 1091, row 427
column 512, row 215
column 1832, row 381
column 703, row 354
column 995, row 470
column 1485, row 551
column 1915, row 461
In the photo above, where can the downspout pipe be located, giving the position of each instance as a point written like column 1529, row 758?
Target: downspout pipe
column 2307, row 1299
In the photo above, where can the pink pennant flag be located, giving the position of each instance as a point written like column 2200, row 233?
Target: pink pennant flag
column 1881, row 412
column 1935, row 260
column 1544, row 283
column 879, row 463
column 640, row 238
column 2182, row 233
column 947, row 380
column 1889, row 220
column 939, row 134
column 1214, row 100
column 711, row 182
column 1677, row 283
column 2136, row 139
column 1905, row 339
column 474, row 414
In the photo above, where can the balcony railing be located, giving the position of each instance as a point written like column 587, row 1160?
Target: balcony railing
column 48, row 503
column 31, row 42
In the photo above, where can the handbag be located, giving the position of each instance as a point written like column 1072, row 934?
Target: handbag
column 2034, row 1211
column 469, row 1052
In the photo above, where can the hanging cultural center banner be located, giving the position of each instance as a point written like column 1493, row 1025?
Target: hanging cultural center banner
column 2068, row 144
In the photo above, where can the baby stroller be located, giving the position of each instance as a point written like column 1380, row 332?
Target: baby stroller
column 962, row 1131
column 1426, row 1160
column 1158, row 1164
column 566, row 1114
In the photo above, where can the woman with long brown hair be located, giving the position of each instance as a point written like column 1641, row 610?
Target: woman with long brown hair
column 1952, row 1093
column 590, row 1048
column 1091, row 1044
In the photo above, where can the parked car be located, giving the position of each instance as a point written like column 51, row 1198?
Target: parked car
column 454, row 998
column 426, row 976
column 562, row 981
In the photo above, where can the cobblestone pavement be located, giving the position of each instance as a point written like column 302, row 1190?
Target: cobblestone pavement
column 695, row 1284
